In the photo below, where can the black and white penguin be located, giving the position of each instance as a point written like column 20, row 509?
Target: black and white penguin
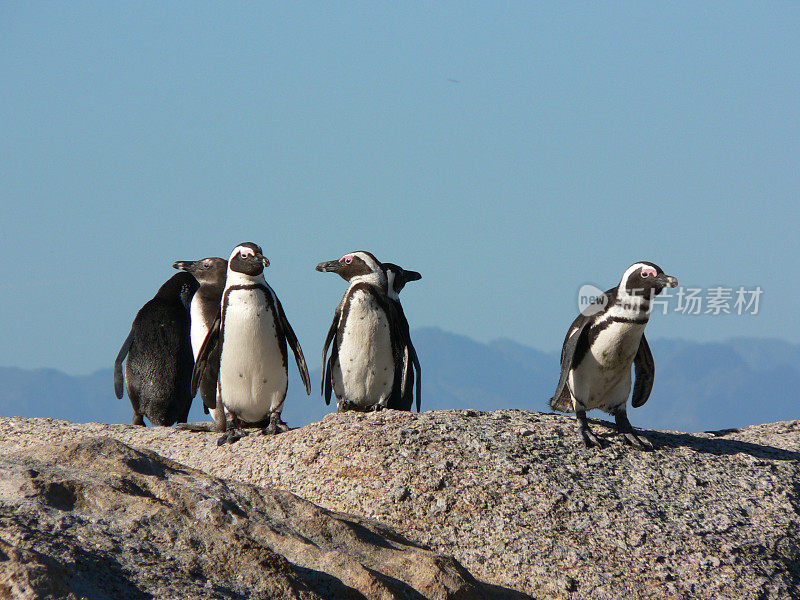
column 159, row 356
column 366, row 338
column 402, row 396
column 210, row 274
column 251, row 335
column 600, row 346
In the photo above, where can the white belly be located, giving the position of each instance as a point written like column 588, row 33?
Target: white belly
column 364, row 373
column 199, row 328
column 252, row 375
column 603, row 378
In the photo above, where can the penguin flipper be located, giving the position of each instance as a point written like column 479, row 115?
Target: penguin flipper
column 291, row 338
column 327, row 377
column 119, row 377
column 208, row 382
column 560, row 400
column 399, row 334
column 415, row 361
column 645, row 371
column 406, row 372
column 327, row 367
column 206, row 353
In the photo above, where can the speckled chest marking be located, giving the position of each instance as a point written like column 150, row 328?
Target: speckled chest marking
column 603, row 378
column 364, row 372
column 253, row 376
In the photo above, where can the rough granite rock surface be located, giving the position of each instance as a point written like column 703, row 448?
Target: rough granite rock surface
column 518, row 501
column 98, row 519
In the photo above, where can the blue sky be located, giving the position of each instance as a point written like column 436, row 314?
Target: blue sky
column 510, row 152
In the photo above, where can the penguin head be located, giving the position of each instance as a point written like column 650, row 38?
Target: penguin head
column 248, row 259
column 207, row 271
column 645, row 279
column 180, row 287
column 356, row 267
column 397, row 277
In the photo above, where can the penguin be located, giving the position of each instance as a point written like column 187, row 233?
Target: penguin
column 210, row 274
column 159, row 356
column 600, row 346
column 365, row 335
column 402, row 394
column 250, row 334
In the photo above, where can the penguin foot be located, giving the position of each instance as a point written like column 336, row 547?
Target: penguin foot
column 629, row 435
column 274, row 429
column 275, row 426
column 637, row 441
column 231, row 436
column 590, row 440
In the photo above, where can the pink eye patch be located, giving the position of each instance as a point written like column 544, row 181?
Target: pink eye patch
column 245, row 252
column 649, row 272
column 347, row 259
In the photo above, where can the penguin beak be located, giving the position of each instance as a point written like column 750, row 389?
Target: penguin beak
column 412, row 275
column 667, row 280
column 264, row 260
column 329, row 266
column 185, row 265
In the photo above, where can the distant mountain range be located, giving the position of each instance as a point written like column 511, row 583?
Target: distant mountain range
column 698, row 386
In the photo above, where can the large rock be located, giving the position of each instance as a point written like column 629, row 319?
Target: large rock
column 99, row 519
column 520, row 503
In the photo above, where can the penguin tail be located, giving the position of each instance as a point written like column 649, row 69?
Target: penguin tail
column 563, row 402
column 119, row 381
column 119, row 378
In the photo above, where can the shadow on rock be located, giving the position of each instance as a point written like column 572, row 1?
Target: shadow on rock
column 719, row 446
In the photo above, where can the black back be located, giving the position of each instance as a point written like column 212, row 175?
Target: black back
column 159, row 354
column 409, row 377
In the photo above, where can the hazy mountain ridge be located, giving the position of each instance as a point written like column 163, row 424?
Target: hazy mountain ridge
column 699, row 386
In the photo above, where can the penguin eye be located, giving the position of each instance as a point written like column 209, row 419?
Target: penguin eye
column 348, row 260
column 645, row 274
column 243, row 254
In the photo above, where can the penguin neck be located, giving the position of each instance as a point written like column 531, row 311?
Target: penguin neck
column 210, row 292
column 629, row 306
column 236, row 278
column 390, row 291
column 375, row 279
